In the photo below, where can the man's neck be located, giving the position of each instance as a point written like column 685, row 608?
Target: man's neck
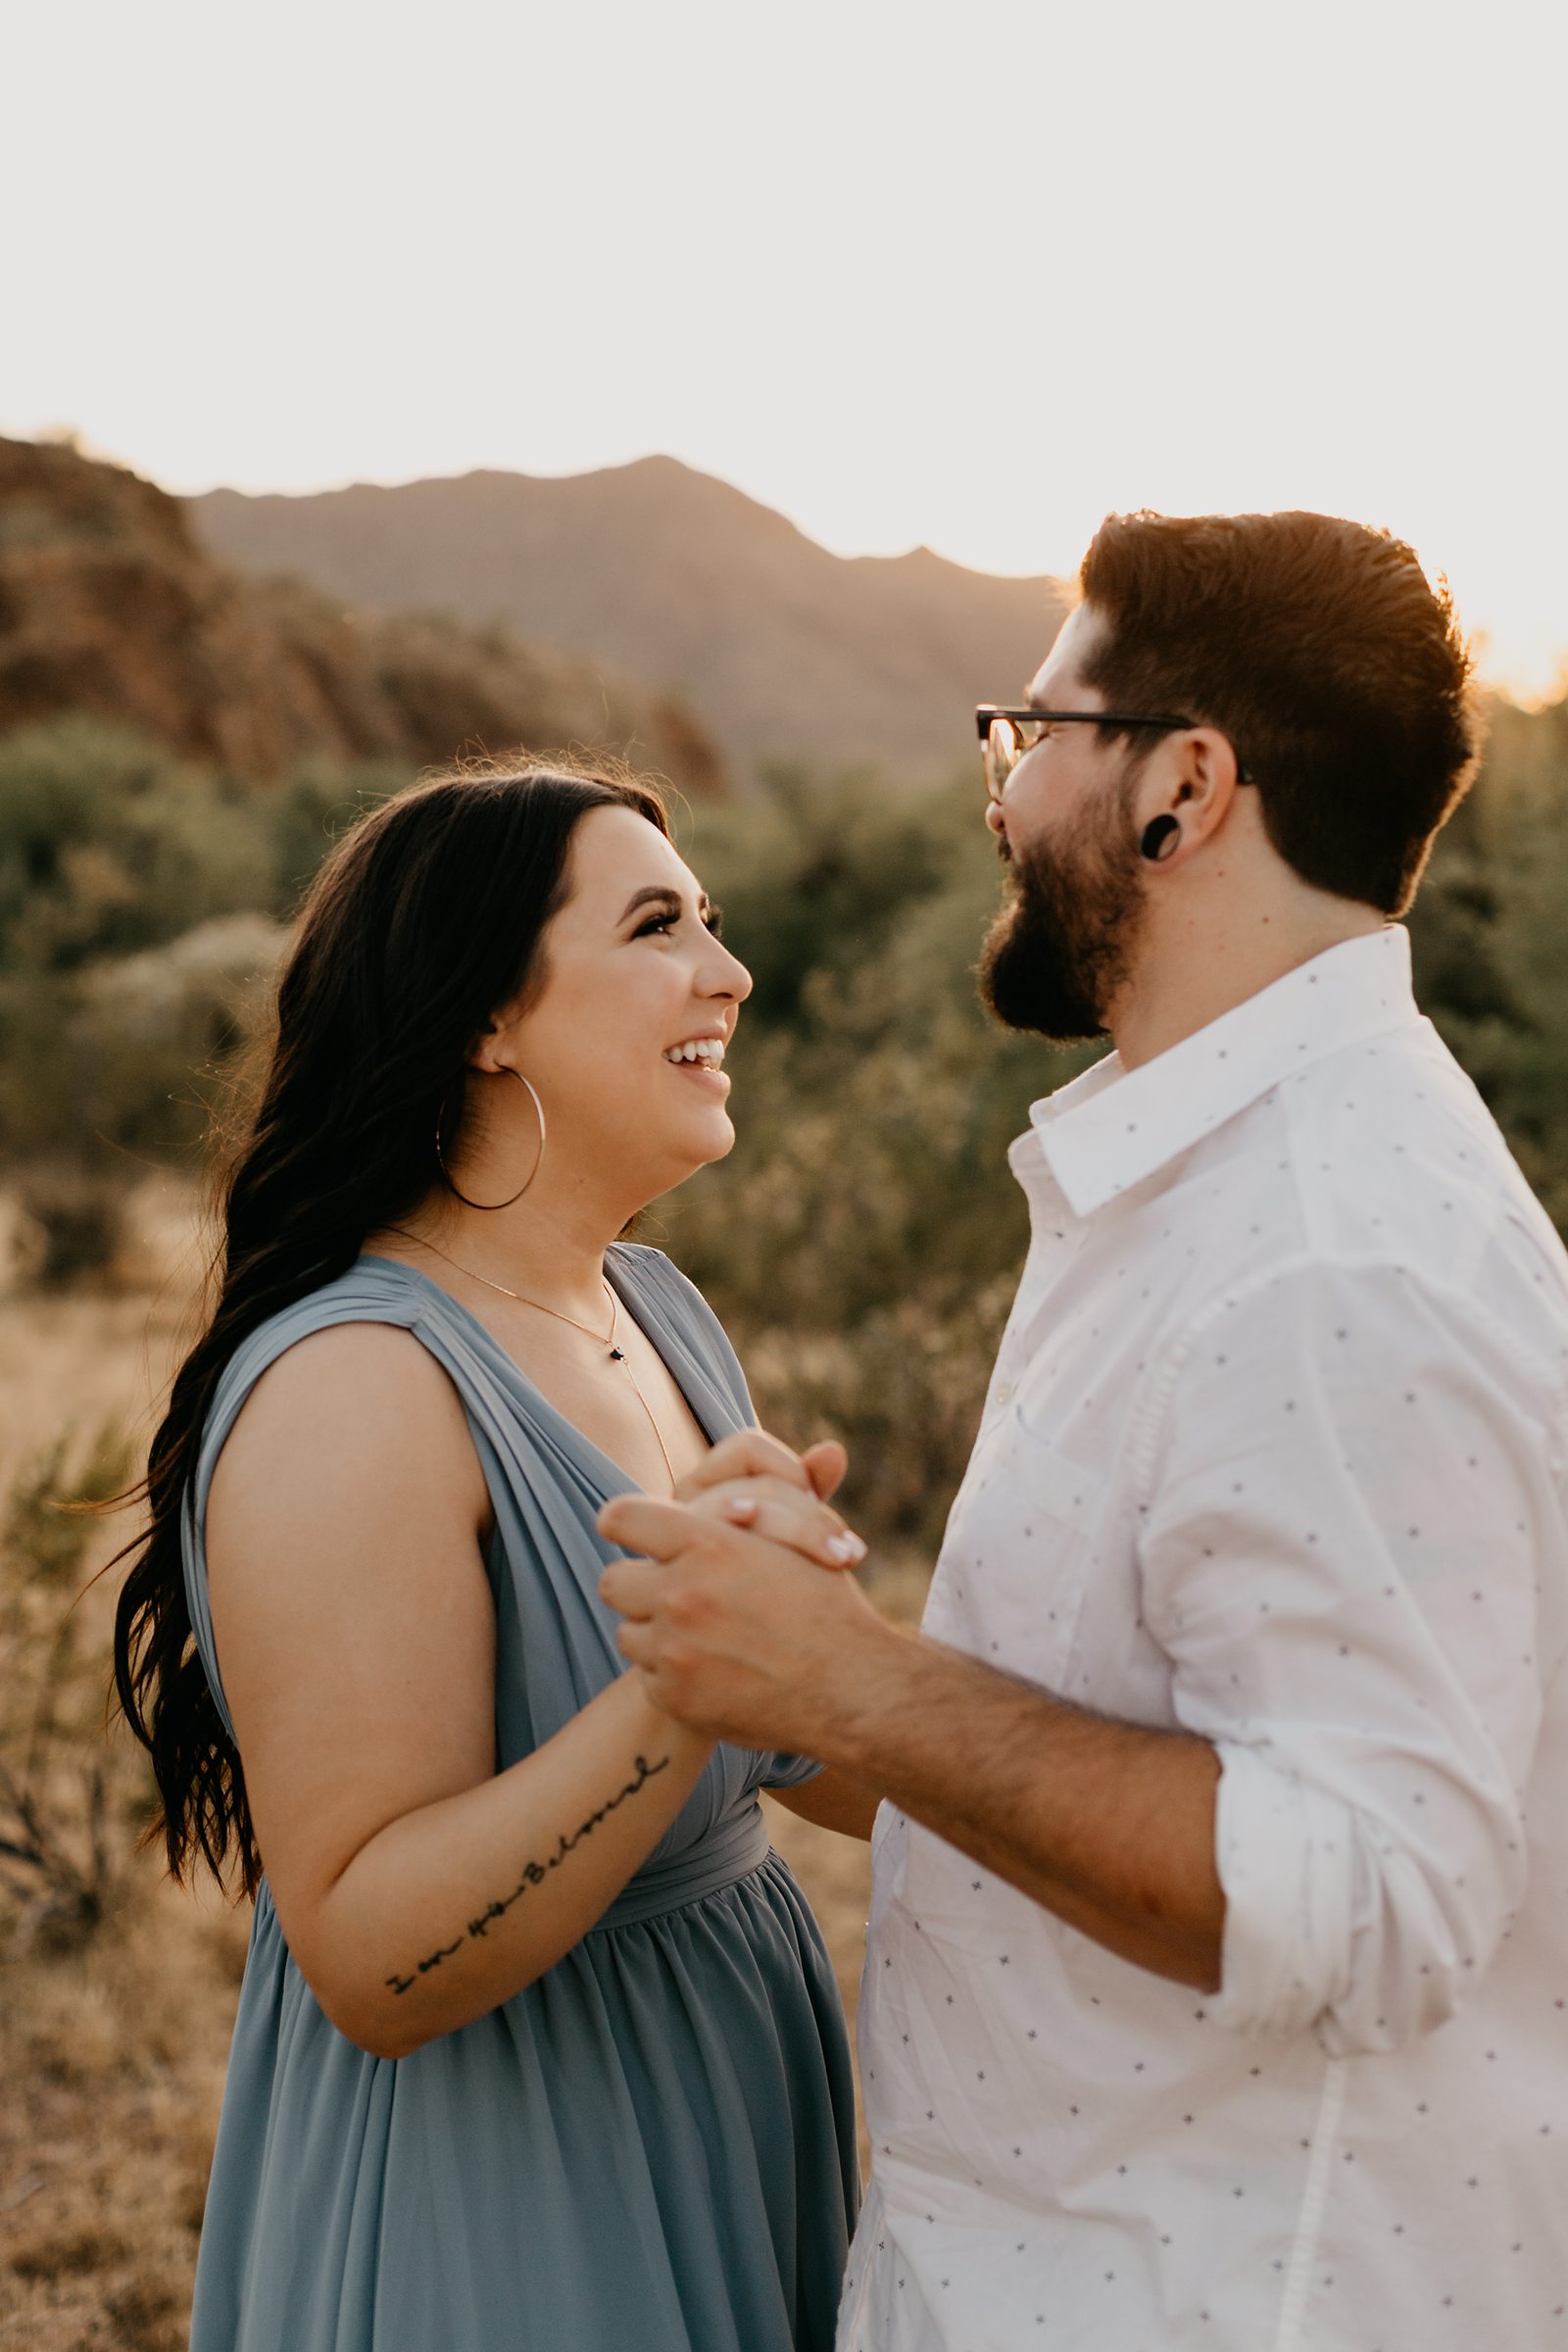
column 1183, row 981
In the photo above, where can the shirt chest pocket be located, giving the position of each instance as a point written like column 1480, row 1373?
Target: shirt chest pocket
column 1029, row 1549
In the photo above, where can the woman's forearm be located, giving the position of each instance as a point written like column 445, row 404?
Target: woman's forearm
column 451, row 1909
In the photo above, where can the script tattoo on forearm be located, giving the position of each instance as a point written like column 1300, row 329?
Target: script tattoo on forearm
column 534, row 1874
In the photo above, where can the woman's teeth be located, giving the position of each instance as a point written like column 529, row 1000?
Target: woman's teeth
column 710, row 1050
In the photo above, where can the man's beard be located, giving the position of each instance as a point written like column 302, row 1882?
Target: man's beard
column 1056, row 953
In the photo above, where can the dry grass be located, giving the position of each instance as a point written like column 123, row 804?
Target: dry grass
column 114, row 2060
column 112, row 2055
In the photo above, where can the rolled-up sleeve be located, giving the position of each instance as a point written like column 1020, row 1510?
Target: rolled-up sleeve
column 1350, row 1494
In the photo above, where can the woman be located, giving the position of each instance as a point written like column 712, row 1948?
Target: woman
column 537, row 2045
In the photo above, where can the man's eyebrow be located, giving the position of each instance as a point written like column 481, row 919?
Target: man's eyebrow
column 661, row 894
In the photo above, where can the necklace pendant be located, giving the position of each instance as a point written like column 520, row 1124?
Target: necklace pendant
column 617, row 1356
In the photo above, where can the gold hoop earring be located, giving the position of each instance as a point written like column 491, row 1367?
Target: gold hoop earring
column 539, row 1162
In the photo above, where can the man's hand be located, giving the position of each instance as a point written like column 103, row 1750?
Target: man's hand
column 1109, row 1824
column 752, row 1479
column 736, row 1635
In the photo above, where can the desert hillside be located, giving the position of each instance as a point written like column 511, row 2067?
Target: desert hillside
column 110, row 607
column 783, row 650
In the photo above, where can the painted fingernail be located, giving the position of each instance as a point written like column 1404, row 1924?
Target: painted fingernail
column 847, row 1548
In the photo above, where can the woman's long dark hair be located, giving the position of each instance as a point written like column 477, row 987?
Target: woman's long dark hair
column 423, row 921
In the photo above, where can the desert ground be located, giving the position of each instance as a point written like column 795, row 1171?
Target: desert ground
column 113, row 2048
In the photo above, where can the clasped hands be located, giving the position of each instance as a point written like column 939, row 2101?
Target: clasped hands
column 739, row 1615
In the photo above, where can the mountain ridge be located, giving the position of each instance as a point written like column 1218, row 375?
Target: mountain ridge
column 784, row 649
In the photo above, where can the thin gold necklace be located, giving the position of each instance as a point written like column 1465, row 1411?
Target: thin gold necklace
column 617, row 1353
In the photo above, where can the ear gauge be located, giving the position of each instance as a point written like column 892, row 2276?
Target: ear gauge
column 1157, row 834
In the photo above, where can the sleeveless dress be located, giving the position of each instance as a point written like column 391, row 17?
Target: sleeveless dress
column 651, row 2148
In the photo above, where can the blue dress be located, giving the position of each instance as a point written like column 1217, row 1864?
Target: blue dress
column 651, row 2148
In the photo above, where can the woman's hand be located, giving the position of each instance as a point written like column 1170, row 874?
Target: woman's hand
column 754, row 1480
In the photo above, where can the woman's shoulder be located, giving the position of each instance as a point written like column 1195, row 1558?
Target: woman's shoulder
column 343, row 1409
column 359, row 1297
column 350, row 1344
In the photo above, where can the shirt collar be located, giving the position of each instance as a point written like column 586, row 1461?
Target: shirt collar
column 1111, row 1128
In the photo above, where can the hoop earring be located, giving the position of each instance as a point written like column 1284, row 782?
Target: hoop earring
column 539, row 1162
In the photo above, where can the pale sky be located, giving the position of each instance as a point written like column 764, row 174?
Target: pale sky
column 970, row 275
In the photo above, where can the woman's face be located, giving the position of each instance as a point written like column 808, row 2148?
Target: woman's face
column 631, row 973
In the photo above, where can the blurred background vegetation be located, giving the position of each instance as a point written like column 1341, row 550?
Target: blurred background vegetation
column 862, row 1238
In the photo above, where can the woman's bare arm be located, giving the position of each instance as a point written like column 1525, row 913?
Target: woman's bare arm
column 416, row 1887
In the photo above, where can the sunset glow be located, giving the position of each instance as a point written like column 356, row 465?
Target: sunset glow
column 905, row 275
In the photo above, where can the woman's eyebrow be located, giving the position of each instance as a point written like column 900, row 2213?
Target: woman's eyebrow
column 662, row 895
column 647, row 897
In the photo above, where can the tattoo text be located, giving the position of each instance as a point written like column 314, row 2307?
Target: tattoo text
column 534, row 1874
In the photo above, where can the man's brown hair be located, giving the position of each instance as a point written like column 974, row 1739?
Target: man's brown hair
column 1322, row 651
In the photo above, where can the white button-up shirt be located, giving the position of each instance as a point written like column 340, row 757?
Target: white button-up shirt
column 1274, row 1453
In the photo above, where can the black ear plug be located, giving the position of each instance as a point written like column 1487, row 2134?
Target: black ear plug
column 1155, row 835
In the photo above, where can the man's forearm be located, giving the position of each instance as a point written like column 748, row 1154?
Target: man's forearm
column 1108, row 1825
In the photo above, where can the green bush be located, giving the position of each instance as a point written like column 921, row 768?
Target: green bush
column 109, row 845
column 1492, row 945
column 140, row 909
column 120, row 1062
column 78, row 1218
column 863, row 1240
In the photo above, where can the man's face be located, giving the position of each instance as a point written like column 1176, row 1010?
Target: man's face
column 1058, row 952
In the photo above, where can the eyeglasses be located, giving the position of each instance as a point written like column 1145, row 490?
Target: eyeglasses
column 1005, row 735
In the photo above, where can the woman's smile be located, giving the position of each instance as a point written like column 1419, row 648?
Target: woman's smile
column 701, row 1059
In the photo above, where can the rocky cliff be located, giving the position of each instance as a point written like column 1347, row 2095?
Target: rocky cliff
column 110, row 605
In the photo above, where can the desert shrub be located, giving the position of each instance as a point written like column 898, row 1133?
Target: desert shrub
column 68, row 1795
column 814, row 875
column 1492, row 947
column 864, row 1236
column 120, row 1061
column 109, row 844
column 306, row 812
column 153, row 1036
column 140, row 899
column 75, row 1220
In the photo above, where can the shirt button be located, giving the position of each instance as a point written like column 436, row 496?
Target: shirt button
column 1004, row 1391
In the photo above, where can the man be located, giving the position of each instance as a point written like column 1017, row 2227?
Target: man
column 1216, row 1978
